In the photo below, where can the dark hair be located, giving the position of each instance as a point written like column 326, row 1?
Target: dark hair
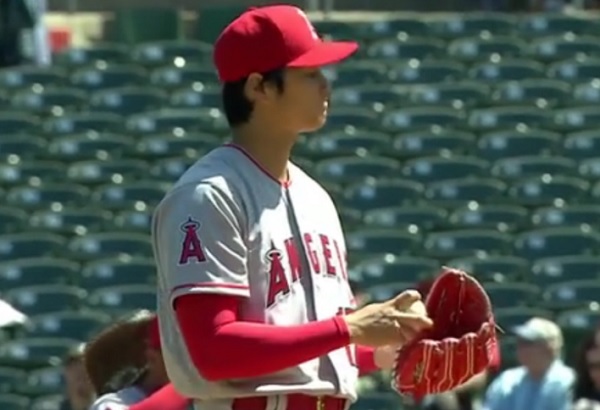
column 236, row 106
column 584, row 387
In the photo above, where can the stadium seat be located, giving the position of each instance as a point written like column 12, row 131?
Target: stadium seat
column 390, row 269
column 530, row 166
column 172, row 76
column 570, row 215
column 501, row 217
column 555, row 241
column 582, row 145
column 434, row 169
column 171, row 168
column 412, row 118
column 377, row 96
column 358, row 72
column 24, row 148
column 47, row 402
column 432, row 142
column 587, row 93
column 47, row 195
column 382, row 293
column 71, row 220
column 489, row 119
column 109, row 244
column 167, row 120
column 404, row 48
column 197, row 95
column 548, row 189
column 18, row 123
column 557, row 269
column 547, row 24
column 456, row 192
column 349, row 169
column 37, row 271
column 98, row 53
column 347, row 143
column 470, row 49
column 575, row 70
column 377, row 401
column 125, row 196
column 118, row 299
column 562, row 47
column 425, row 72
column 455, row 94
column 46, row 380
column 101, row 76
column 40, row 299
column 19, row 173
column 493, row 268
column 35, row 352
column 118, row 271
column 572, row 294
column 506, row 70
column 12, row 219
column 382, row 193
column 160, row 53
column 29, row 244
column 510, row 317
column 14, row 402
column 75, row 123
column 358, row 117
column 506, row 295
column 577, row 118
column 20, row 77
column 11, row 378
column 189, row 144
column 466, row 242
column 104, row 172
column 540, row 92
column 383, row 241
column 508, row 352
column 423, row 216
column 44, row 101
column 516, row 142
column 394, row 26
column 584, row 319
column 474, row 24
column 89, row 145
column 69, row 324
column 133, row 220
column 127, row 100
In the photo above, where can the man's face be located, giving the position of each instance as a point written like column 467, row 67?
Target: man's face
column 531, row 354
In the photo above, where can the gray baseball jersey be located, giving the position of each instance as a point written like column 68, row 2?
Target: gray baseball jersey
column 227, row 227
column 119, row 400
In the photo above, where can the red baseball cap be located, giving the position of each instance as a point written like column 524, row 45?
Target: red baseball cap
column 271, row 37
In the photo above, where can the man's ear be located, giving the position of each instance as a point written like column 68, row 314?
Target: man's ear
column 254, row 88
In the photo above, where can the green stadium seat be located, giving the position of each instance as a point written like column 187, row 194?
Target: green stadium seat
column 516, row 142
column 510, row 317
column 172, row 76
column 506, row 295
column 424, row 217
column 501, row 217
column 171, row 168
column 540, row 92
column 508, row 351
column 575, row 70
column 37, row 271
column 562, row 47
column 123, row 298
column 377, row 401
column 390, row 269
column 493, row 268
column 434, row 169
column 457, row 192
column 404, row 48
column 358, row 117
column 47, row 402
column 382, row 293
column 35, row 352
column 360, row 72
column 555, row 241
column 470, row 49
column 47, row 195
column 572, row 294
column 29, row 244
column 11, row 378
column 538, row 191
column 583, row 319
column 377, row 96
column 99, row 76
column 473, row 24
column 425, row 72
column 110, row 244
column 69, row 324
column 455, row 94
column 105, row 53
column 167, row 120
column 529, row 166
column 337, row 29
column 190, row 144
column 49, row 100
column 127, row 100
column 89, row 145
column 131, row 195
column 488, row 119
column 118, row 271
column 133, row 221
column 166, row 52
column 382, row 193
column 14, row 402
column 412, row 118
column 71, row 220
column 590, row 169
column 437, row 141
column 31, row 172
column 104, row 172
column 197, row 95
column 558, row 269
column 18, row 123
column 587, row 93
column 27, row 76
column 75, row 123
column 394, row 27
column 40, row 299
column 24, row 148
column 350, row 169
column 343, row 143
column 47, row 380
column 466, row 242
column 507, row 70
column 571, row 215
column 383, row 241
column 577, row 145
column 542, row 25
column 12, row 219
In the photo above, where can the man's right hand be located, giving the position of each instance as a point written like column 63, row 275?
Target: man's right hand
column 387, row 323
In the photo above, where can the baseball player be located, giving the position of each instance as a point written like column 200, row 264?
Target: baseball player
column 254, row 305
column 125, row 366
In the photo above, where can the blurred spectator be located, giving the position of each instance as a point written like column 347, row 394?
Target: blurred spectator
column 15, row 18
column 79, row 391
column 36, row 41
column 587, row 368
column 543, row 381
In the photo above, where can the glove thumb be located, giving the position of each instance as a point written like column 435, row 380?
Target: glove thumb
column 405, row 299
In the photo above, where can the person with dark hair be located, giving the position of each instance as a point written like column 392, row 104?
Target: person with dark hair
column 587, row 371
column 124, row 364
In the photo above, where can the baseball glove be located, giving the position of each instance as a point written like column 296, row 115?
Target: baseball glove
column 461, row 344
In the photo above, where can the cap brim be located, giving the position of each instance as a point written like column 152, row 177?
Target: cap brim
column 526, row 333
column 325, row 53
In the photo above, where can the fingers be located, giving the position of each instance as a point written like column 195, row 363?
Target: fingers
column 405, row 299
column 414, row 321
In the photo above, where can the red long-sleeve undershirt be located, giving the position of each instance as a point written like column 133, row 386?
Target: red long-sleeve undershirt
column 252, row 349
column 164, row 399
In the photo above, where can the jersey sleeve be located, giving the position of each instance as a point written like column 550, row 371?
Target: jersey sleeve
column 198, row 244
column 109, row 402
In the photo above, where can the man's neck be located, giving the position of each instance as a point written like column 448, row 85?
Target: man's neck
column 271, row 151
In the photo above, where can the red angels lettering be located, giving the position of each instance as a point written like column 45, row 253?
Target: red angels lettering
column 341, row 259
column 293, row 259
column 278, row 283
column 191, row 248
column 314, row 259
column 329, row 268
